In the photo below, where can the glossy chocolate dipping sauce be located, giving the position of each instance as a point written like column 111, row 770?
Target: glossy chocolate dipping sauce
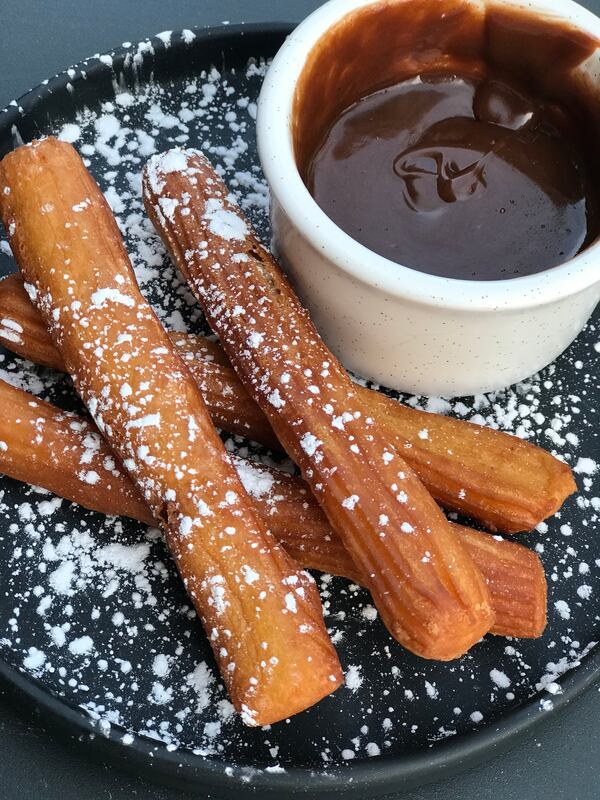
column 456, row 177
column 461, row 173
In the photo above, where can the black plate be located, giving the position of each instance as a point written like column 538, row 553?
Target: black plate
column 94, row 625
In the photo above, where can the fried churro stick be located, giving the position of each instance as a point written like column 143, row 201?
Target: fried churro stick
column 22, row 331
column 507, row 484
column 43, row 445
column 65, row 453
column 262, row 615
column 516, row 580
column 514, row 575
column 429, row 592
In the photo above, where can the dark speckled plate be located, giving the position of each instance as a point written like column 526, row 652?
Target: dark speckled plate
column 94, row 624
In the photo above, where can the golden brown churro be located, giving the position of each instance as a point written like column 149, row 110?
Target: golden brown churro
column 262, row 615
column 22, row 330
column 63, row 452
column 429, row 592
column 503, row 482
column 43, row 445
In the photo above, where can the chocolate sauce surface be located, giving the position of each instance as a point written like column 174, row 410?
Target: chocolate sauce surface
column 456, row 177
column 479, row 165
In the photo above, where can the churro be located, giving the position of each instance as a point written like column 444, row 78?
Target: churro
column 22, row 331
column 503, row 482
column 427, row 588
column 42, row 445
column 261, row 613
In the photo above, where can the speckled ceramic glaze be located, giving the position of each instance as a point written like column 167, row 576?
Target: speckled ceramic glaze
column 416, row 332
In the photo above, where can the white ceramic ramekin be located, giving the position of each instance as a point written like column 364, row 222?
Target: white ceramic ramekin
column 403, row 328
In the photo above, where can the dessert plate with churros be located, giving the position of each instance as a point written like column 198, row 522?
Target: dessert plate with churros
column 224, row 557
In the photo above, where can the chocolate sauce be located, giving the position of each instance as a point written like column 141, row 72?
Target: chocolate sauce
column 468, row 172
column 456, row 177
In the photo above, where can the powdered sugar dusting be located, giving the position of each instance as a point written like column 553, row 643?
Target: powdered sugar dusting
column 96, row 610
column 224, row 223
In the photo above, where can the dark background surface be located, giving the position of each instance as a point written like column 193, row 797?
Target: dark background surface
column 38, row 39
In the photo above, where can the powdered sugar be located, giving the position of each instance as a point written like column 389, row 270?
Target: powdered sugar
column 152, row 672
column 224, row 223
column 103, row 296
column 585, row 466
column 310, row 444
column 354, row 679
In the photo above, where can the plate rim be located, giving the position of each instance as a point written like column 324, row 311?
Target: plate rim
column 186, row 769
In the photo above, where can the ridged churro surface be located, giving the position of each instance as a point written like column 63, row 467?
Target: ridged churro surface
column 426, row 587
column 262, row 615
column 38, row 437
column 503, row 482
